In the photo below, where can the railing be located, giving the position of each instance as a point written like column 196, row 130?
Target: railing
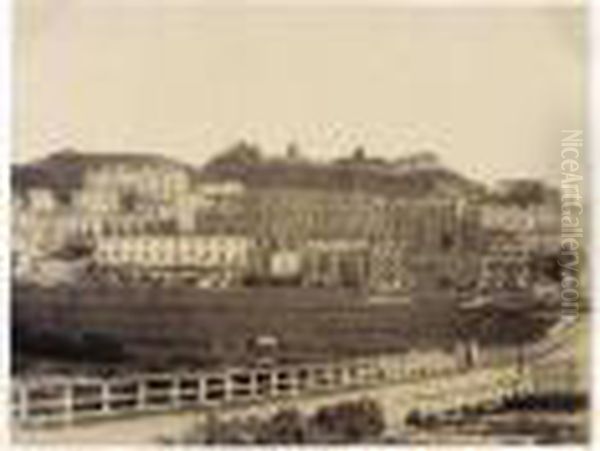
column 63, row 401
column 67, row 400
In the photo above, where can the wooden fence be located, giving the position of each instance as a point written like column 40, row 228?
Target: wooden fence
column 67, row 400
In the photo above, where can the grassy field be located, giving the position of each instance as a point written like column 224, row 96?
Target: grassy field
column 213, row 327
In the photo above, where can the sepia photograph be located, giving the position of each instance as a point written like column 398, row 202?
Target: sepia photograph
column 277, row 223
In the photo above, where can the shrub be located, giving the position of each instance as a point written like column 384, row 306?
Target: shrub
column 352, row 421
column 413, row 418
column 285, row 427
column 346, row 422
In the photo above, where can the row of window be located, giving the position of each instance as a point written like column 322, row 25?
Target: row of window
column 158, row 257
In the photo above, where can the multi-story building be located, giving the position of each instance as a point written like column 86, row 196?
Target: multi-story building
column 383, row 236
column 516, row 234
column 546, row 236
column 74, row 196
column 214, row 207
column 210, row 260
column 505, row 264
column 388, row 269
column 337, row 263
column 142, row 177
column 436, row 242
column 357, row 222
column 308, row 223
column 39, row 223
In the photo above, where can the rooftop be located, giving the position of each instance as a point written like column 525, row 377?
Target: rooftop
column 418, row 175
column 412, row 176
column 63, row 171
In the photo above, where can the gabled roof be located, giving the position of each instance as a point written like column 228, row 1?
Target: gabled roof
column 64, row 171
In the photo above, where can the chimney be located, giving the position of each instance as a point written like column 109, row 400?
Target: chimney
column 359, row 154
column 292, row 152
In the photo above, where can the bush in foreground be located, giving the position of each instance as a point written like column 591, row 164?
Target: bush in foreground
column 346, row 422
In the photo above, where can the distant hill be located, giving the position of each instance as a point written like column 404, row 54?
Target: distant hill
column 244, row 163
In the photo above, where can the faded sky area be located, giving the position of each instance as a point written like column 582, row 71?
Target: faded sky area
column 488, row 88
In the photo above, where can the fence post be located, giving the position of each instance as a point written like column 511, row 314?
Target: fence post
column 105, row 397
column 68, row 405
column 273, row 383
column 253, row 385
column 201, row 389
column 175, row 392
column 23, row 402
column 227, row 386
column 344, row 375
column 141, row 394
column 294, row 382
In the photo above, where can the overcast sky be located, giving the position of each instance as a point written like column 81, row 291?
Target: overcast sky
column 489, row 89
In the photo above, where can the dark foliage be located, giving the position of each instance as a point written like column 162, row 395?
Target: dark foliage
column 554, row 401
column 285, row 427
column 353, row 421
column 65, row 346
column 346, row 422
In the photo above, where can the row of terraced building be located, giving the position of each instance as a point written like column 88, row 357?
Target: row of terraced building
column 246, row 219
